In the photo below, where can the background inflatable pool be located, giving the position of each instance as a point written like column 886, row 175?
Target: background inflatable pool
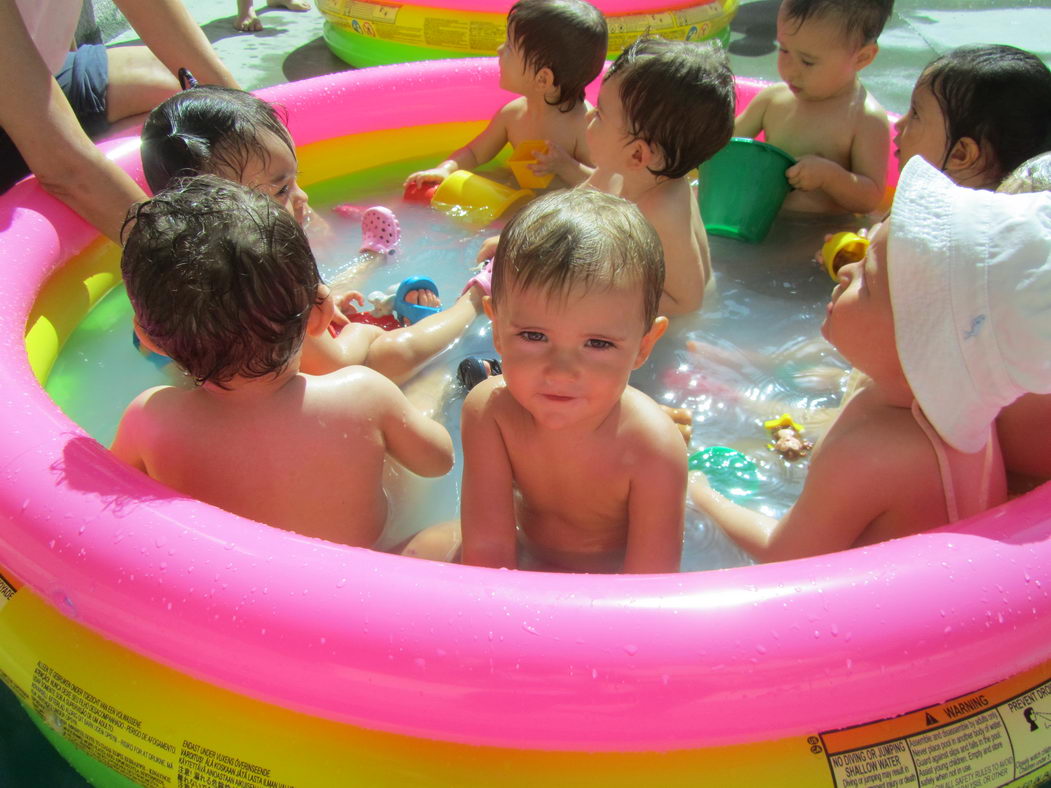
column 160, row 641
column 366, row 33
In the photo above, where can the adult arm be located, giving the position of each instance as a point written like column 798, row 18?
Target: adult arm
column 36, row 115
column 167, row 28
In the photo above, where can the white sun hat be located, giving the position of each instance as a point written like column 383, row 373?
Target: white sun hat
column 970, row 285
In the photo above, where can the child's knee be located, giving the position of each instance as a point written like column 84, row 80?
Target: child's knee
column 440, row 542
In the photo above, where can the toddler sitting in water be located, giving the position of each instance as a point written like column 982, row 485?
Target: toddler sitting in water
column 977, row 113
column 227, row 132
column 947, row 317
column 554, row 49
column 222, row 280
column 821, row 113
column 665, row 107
column 566, row 467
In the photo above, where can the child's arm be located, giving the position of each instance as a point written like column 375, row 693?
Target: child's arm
column 838, row 502
column 419, row 443
column 684, row 270
column 487, row 516
column 861, row 188
column 656, row 508
column 750, row 122
column 475, row 153
column 324, row 353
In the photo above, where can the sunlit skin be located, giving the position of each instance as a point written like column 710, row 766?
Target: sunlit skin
column 923, row 131
column 396, row 354
column 300, row 452
column 623, row 166
column 823, row 116
column 591, row 470
column 531, row 116
column 874, row 437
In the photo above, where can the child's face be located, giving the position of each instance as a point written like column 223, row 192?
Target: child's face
column 513, row 72
column 276, row 176
column 815, row 59
column 567, row 361
column 921, row 130
column 860, row 319
column 607, row 134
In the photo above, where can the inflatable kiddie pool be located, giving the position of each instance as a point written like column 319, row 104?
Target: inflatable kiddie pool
column 160, row 641
column 367, row 33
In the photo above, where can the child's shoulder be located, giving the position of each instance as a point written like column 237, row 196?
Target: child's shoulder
column 648, row 427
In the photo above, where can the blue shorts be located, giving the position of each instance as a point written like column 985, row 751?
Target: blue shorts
column 84, row 78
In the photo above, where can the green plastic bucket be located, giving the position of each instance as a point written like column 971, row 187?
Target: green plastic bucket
column 742, row 188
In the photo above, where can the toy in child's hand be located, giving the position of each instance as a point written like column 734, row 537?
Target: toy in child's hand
column 381, row 314
column 417, row 192
column 788, row 439
column 843, row 248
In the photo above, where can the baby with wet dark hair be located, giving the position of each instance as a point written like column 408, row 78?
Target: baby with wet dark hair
column 222, row 280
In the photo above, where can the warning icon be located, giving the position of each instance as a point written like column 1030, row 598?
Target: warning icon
column 931, row 719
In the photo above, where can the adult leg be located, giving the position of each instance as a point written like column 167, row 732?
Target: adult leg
column 138, row 82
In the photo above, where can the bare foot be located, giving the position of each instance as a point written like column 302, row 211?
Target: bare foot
column 683, row 420
column 290, row 5
column 422, row 297
column 246, row 21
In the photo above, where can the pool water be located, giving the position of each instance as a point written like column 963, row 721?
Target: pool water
column 753, row 353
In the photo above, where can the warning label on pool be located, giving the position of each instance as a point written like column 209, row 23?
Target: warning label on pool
column 995, row 737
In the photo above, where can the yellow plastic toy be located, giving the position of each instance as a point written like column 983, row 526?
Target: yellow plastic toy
column 519, row 161
column 475, row 199
column 843, row 248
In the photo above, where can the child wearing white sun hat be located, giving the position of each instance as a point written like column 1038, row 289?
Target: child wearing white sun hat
column 970, row 280
column 949, row 318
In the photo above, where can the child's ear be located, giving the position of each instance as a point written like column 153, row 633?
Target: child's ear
column 487, row 305
column 966, row 156
column 864, row 56
column 322, row 312
column 145, row 341
column 660, row 325
column 544, row 79
column 641, row 154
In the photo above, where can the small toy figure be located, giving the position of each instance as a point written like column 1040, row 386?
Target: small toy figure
column 788, row 438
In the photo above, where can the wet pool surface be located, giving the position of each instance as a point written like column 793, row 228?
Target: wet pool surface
column 778, row 361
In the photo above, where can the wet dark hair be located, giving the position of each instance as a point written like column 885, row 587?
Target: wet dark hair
column 567, row 36
column 677, row 96
column 221, row 278
column 861, row 19
column 999, row 96
column 580, row 237
column 207, row 129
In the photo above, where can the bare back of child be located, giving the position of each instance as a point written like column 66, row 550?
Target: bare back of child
column 821, row 113
column 554, row 49
column 664, row 108
column 257, row 437
column 231, row 133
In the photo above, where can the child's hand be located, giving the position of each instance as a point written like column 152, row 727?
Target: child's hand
column 488, row 248
column 345, row 302
column 553, row 160
column 809, row 173
column 433, row 175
